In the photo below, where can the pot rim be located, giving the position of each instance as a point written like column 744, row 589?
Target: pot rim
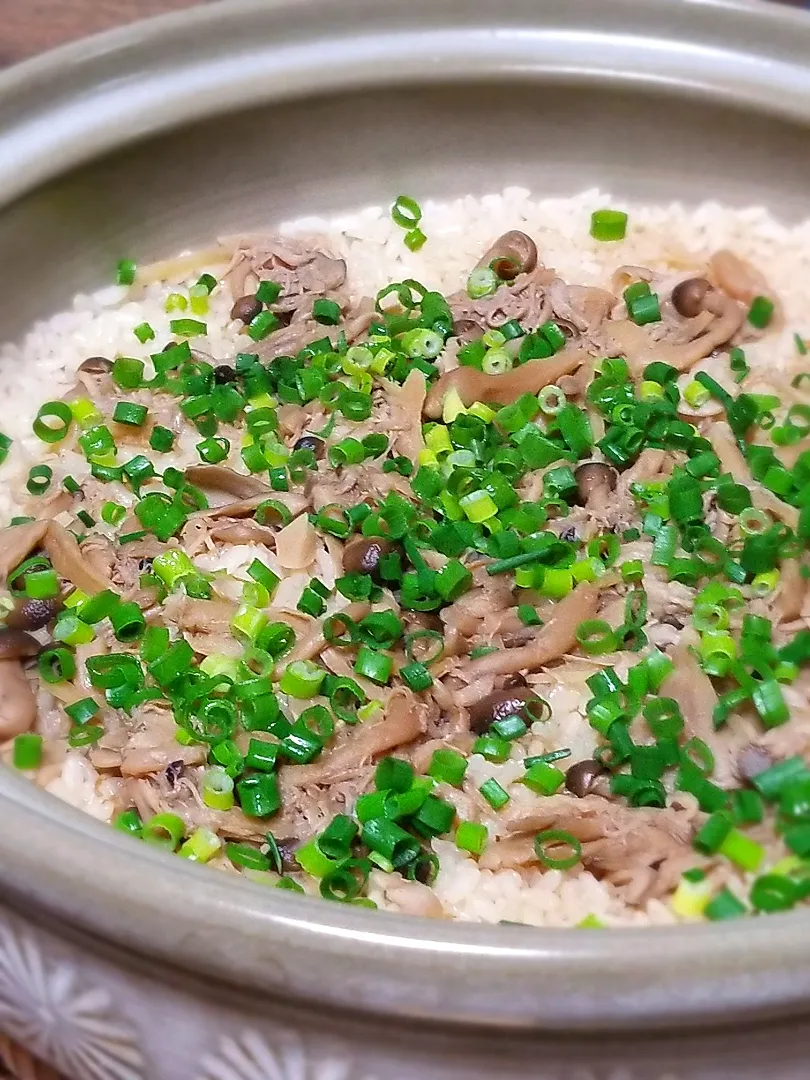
column 74, row 104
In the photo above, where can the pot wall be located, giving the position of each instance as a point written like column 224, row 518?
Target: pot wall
column 236, row 116
column 101, row 1015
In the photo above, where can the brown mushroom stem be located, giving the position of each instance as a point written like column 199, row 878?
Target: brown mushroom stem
column 732, row 461
column 203, row 616
column 64, row 552
column 18, row 706
column 624, row 338
column 17, row 542
column 220, row 478
column 738, row 278
column 473, row 385
column 691, row 687
column 314, row 644
column 554, row 639
column 792, row 591
column 408, row 401
column 17, row 645
column 404, row 721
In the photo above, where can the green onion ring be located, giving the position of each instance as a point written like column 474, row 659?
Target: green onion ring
column 272, row 512
column 53, row 410
column 426, row 657
column 546, row 841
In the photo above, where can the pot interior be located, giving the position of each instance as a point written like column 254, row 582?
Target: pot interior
column 254, row 168
column 250, row 168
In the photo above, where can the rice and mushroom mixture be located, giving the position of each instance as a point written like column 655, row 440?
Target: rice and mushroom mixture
column 447, row 560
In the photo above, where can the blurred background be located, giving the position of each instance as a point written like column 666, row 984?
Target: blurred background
column 30, row 26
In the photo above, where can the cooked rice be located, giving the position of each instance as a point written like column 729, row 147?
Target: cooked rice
column 671, row 238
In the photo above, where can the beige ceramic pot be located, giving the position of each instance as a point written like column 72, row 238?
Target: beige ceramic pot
column 119, row 963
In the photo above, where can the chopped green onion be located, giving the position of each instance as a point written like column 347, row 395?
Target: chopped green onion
column 129, row 822
column 773, row 892
column 596, row 636
column 373, row 665
column 127, row 621
column 302, row 679
column 406, row 212
column 608, row 225
column 543, row 778
column 82, row 710
column 27, row 752
column 553, row 840
column 742, row 851
column 42, row 584
column 645, row 309
column 247, row 857
column 326, row 312
column 144, row 332
column 161, row 439
column 263, row 324
column 39, row 479
column 760, row 312
column 164, row 831
column 393, row 774
column 172, row 565
column 125, row 272
column 53, row 421
column 482, row 282
column 259, row 795
column 448, row 766
column 711, row 835
column 725, row 905
column 201, row 846
column 494, row 794
column 188, row 327
column 416, row 677
column 268, row 292
column 738, row 364
column 472, row 837
column 130, row 413
column 415, row 239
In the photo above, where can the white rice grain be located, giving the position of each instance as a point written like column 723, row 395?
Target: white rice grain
column 663, row 238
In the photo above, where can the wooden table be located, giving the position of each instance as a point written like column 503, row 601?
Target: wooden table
column 30, row 26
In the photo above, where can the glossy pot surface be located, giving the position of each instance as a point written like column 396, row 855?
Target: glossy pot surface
column 239, row 114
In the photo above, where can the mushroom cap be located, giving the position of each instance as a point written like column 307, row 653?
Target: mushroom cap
column 30, row 614
column 512, row 253
column 688, row 296
column 593, row 476
column 581, row 777
column 246, row 308
column 362, row 555
column 310, row 442
column 96, row 365
column 498, row 705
